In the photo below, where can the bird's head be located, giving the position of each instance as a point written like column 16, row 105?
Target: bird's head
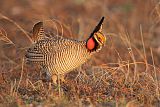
column 97, row 39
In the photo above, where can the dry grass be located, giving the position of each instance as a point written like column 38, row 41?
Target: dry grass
column 125, row 73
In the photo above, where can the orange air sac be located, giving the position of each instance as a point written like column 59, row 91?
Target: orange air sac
column 90, row 44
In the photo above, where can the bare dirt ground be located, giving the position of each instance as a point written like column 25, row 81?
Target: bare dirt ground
column 125, row 73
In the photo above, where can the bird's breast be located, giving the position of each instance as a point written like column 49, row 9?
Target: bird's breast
column 69, row 58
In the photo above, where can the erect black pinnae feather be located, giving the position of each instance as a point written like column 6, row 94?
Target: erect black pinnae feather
column 98, row 27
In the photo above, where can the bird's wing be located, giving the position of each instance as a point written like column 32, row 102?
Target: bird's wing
column 47, row 46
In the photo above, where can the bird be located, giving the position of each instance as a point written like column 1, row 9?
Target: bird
column 58, row 55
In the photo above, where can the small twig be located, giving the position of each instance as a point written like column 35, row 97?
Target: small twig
column 18, row 26
column 155, row 74
column 60, row 25
column 32, row 85
column 22, row 70
column 3, row 36
column 127, row 75
column 13, row 89
column 144, row 51
column 54, row 25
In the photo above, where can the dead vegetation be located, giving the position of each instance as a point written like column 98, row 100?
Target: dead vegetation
column 125, row 73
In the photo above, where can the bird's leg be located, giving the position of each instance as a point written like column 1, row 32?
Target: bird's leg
column 62, row 78
column 57, row 79
column 59, row 84
column 54, row 79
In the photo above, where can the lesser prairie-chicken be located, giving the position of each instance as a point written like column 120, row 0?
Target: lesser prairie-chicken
column 59, row 55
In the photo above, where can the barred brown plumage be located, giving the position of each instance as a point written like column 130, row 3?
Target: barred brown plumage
column 58, row 55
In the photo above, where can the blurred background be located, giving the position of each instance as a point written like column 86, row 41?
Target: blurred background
column 132, row 18
column 132, row 28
